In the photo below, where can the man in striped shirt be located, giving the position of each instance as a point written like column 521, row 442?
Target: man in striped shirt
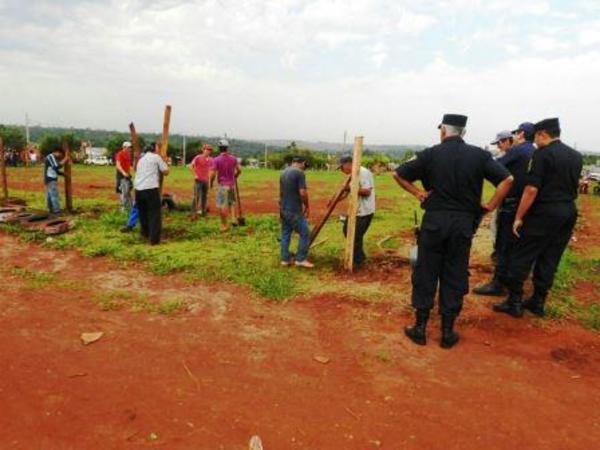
column 52, row 164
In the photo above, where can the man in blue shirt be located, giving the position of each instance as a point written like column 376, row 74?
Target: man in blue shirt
column 293, row 211
column 518, row 149
column 52, row 165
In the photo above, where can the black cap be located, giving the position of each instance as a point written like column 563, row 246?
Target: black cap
column 455, row 120
column 548, row 125
column 298, row 159
column 344, row 160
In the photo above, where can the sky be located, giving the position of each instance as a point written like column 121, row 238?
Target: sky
column 300, row 69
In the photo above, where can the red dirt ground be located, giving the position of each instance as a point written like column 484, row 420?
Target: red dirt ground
column 233, row 366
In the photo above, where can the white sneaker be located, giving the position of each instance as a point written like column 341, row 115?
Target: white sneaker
column 284, row 263
column 306, row 264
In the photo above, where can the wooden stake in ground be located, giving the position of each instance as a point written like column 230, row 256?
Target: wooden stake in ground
column 353, row 204
column 68, row 181
column 164, row 142
column 332, row 204
column 3, row 170
column 135, row 140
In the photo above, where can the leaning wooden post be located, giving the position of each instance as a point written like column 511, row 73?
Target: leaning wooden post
column 332, row 204
column 3, row 170
column 68, row 182
column 135, row 140
column 353, row 204
column 164, row 142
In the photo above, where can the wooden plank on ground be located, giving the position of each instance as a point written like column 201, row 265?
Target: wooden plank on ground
column 353, row 204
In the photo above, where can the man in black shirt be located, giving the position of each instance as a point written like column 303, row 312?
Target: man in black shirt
column 545, row 219
column 518, row 149
column 452, row 175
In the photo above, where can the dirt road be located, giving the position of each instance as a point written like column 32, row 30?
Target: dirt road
column 232, row 366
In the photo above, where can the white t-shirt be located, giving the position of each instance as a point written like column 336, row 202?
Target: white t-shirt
column 147, row 174
column 366, row 205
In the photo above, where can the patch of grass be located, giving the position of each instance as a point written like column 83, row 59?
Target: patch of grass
column 117, row 300
column 34, row 279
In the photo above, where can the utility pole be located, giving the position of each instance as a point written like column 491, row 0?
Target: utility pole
column 345, row 136
column 184, row 148
column 266, row 158
column 27, row 129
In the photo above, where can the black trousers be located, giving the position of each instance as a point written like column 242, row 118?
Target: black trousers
column 149, row 208
column 362, row 226
column 505, row 242
column 443, row 260
column 543, row 240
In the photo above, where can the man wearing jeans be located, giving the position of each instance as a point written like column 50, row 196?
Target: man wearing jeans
column 294, row 210
column 123, row 164
column 366, row 207
column 200, row 167
column 52, row 166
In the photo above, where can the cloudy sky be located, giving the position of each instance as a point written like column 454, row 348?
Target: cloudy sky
column 303, row 69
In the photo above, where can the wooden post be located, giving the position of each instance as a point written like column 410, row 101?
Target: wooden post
column 332, row 204
column 3, row 170
column 164, row 142
column 353, row 204
column 135, row 141
column 68, row 181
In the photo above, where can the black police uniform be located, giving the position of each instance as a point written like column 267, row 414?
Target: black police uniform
column 548, row 225
column 454, row 171
column 516, row 160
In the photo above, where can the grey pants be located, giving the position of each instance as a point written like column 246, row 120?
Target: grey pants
column 200, row 196
column 125, row 193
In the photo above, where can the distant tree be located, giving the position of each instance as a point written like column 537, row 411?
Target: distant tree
column 49, row 141
column 13, row 138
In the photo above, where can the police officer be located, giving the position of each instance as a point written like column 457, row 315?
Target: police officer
column 452, row 175
column 518, row 149
column 545, row 219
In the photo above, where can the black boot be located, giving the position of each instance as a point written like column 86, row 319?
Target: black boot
column 449, row 336
column 417, row 333
column 494, row 288
column 535, row 304
column 511, row 306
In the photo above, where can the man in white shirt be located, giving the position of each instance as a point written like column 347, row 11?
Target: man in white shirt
column 366, row 207
column 150, row 168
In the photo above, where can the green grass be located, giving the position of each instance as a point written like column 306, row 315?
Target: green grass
column 34, row 279
column 117, row 300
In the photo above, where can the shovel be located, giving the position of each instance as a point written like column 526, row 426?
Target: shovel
column 241, row 221
column 414, row 250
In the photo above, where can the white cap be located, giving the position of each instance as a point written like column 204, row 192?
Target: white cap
column 223, row 143
column 126, row 144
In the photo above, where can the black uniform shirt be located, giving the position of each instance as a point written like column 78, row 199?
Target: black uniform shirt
column 454, row 171
column 555, row 170
column 516, row 160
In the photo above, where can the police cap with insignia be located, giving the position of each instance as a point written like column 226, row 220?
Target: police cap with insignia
column 455, row 120
column 552, row 125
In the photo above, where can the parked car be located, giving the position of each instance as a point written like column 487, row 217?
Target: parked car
column 98, row 161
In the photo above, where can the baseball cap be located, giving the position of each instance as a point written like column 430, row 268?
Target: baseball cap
column 127, row 144
column 344, row 160
column 504, row 134
column 527, row 127
column 223, row 143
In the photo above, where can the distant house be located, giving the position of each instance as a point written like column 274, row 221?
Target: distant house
column 252, row 163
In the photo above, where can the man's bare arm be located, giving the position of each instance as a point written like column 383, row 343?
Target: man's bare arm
column 501, row 192
column 304, row 198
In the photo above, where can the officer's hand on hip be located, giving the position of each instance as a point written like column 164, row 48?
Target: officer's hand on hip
column 518, row 223
column 422, row 195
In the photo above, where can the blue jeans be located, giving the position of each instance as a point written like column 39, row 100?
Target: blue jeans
column 53, row 197
column 200, row 196
column 133, row 218
column 291, row 222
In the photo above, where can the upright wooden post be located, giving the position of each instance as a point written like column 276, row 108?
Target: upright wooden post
column 3, row 170
column 135, row 140
column 68, row 182
column 164, row 142
column 353, row 204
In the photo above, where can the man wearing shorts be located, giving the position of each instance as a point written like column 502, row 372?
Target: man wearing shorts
column 225, row 168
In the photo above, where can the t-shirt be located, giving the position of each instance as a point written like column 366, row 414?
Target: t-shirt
column 147, row 174
column 51, row 169
column 201, row 166
column 454, row 171
column 124, row 158
column 225, row 165
column 366, row 205
column 516, row 160
column 291, row 181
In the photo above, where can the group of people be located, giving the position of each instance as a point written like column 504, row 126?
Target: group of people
column 536, row 188
column 536, row 178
